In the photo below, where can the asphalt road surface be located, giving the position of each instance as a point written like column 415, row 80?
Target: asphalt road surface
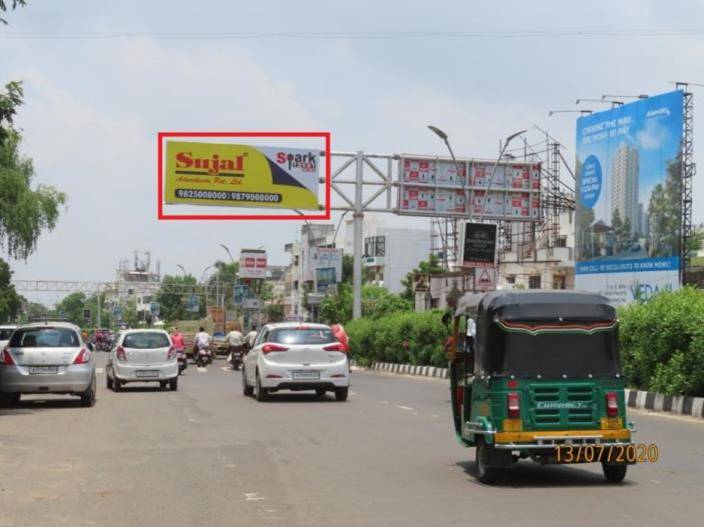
column 207, row 456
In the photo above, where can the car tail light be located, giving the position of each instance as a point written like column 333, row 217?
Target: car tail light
column 7, row 359
column 268, row 348
column 611, row 404
column 172, row 353
column 513, row 405
column 121, row 355
column 338, row 346
column 83, row 357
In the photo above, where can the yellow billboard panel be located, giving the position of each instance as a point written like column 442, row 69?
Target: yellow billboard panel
column 241, row 175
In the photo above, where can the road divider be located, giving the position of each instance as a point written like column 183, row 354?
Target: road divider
column 410, row 369
column 673, row 404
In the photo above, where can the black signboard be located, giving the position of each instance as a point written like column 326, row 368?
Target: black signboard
column 479, row 245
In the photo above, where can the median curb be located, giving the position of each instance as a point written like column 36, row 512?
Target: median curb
column 672, row 404
column 409, row 369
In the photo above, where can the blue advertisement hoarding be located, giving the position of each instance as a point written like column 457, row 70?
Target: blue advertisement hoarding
column 629, row 199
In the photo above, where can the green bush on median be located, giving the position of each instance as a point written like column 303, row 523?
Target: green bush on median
column 662, row 343
column 403, row 337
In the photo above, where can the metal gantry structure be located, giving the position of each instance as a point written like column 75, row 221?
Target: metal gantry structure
column 688, row 173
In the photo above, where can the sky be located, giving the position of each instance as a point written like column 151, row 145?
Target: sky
column 93, row 106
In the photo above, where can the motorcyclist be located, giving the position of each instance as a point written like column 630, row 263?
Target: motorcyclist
column 179, row 345
column 341, row 335
column 235, row 344
column 251, row 337
column 201, row 342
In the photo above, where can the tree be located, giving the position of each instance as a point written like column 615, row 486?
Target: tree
column 347, row 268
column 71, row 307
column 10, row 301
column 15, row 3
column 429, row 266
column 226, row 274
column 376, row 302
column 25, row 212
column 32, row 310
column 173, row 301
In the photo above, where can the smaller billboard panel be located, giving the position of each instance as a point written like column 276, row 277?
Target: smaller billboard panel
column 322, row 258
column 192, row 304
column 478, row 244
column 239, row 293
column 252, row 264
column 324, row 278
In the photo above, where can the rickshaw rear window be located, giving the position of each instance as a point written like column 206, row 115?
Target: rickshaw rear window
column 554, row 355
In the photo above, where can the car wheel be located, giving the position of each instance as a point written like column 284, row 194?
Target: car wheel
column 485, row 473
column 320, row 392
column 614, row 473
column 247, row 390
column 117, row 384
column 108, row 382
column 260, row 393
column 173, row 384
column 162, row 384
column 88, row 397
column 10, row 399
column 341, row 393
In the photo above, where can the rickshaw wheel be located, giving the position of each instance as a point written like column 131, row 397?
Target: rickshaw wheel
column 614, row 473
column 485, row 473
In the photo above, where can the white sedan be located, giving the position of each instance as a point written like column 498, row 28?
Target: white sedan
column 296, row 356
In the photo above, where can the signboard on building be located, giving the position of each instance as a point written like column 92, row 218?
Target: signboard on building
column 193, row 303
column 478, row 244
column 322, row 258
column 509, row 190
column 241, row 175
column 252, row 303
column 324, row 278
column 155, row 308
column 239, row 293
column 485, row 279
column 252, row 263
column 629, row 199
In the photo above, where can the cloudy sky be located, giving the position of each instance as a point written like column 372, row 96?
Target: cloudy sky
column 94, row 105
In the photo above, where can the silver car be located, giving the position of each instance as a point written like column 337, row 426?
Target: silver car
column 142, row 355
column 47, row 357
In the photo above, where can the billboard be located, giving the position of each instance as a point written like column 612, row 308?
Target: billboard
column 252, row 263
column 629, row 199
column 509, row 190
column 322, row 258
column 478, row 244
column 241, row 175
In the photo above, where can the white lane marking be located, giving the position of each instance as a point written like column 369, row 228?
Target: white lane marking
column 225, row 368
column 253, row 496
column 435, row 416
column 98, row 370
column 384, row 402
column 353, row 393
column 202, row 370
column 408, row 408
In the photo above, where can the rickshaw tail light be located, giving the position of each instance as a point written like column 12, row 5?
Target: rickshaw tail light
column 513, row 405
column 611, row 404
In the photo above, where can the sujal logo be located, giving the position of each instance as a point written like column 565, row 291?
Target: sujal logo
column 212, row 166
column 303, row 162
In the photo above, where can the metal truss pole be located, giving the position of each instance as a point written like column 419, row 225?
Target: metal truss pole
column 688, row 171
column 358, row 238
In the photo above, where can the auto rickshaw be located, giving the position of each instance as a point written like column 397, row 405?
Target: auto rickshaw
column 535, row 374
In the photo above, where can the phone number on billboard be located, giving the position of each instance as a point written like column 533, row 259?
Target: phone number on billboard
column 223, row 195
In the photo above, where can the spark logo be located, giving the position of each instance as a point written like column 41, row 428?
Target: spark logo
column 303, row 162
column 212, row 166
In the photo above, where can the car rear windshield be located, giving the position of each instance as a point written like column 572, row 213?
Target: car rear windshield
column 146, row 341
column 5, row 334
column 45, row 338
column 302, row 336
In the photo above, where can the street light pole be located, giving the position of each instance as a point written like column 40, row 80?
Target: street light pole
column 493, row 171
column 183, row 269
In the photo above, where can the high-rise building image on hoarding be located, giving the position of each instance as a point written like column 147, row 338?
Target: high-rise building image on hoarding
column 624, row 184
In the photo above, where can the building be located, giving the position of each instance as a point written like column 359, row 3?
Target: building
column 304, row 280
column 137, row 284
column 539, row 263
column 391, row 253
column 624, row 185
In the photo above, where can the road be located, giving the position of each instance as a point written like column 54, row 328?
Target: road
column 208, row 456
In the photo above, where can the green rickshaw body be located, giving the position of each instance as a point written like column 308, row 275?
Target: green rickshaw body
column 536, row 373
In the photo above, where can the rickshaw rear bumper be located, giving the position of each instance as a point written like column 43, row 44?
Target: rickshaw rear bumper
column 538, row 440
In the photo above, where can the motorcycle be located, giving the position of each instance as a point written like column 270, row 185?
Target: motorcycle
column 236, row 356
column 205, row 357
column 182, row 360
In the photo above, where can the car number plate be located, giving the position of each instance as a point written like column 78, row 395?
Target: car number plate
column 146, row 374
column 43, row 370
column 306, row 375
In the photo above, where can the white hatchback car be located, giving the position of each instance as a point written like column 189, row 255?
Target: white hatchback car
column 296, row 356
column 142, row 355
